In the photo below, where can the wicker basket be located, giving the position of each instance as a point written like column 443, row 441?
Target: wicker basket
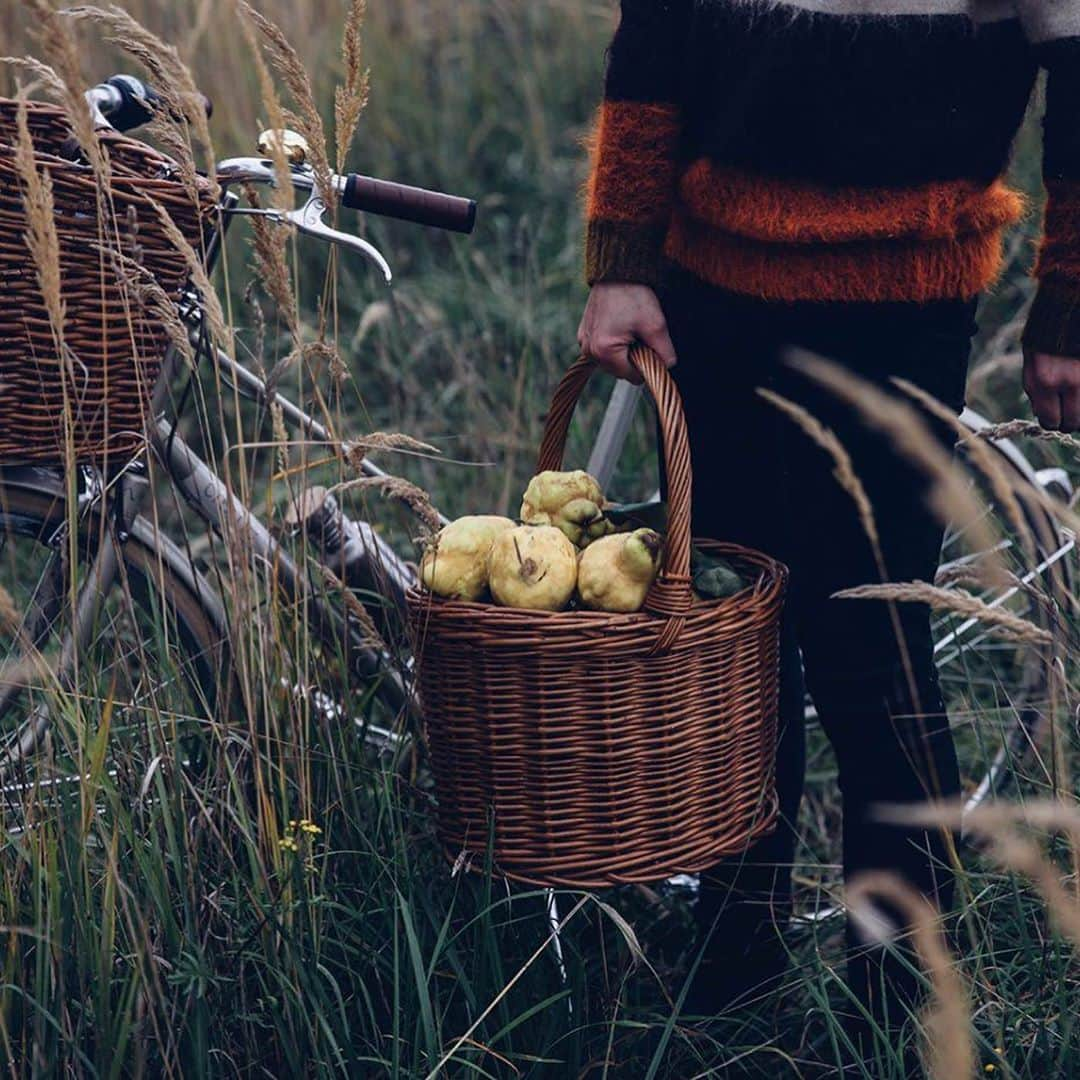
column 95, row 403
column 591, row 749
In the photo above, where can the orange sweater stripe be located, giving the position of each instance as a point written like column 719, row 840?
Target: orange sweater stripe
column 1060, row 250
column 633, row 178
column 793, row 212
column 915, row 269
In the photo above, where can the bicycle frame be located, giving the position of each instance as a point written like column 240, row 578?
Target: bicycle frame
column 224, row 512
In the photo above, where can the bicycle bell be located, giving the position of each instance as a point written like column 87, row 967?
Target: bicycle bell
column 292, row 143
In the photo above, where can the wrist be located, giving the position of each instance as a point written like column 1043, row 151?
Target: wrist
column 624, row 253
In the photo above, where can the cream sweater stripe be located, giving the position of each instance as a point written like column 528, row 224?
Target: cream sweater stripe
column 1043, row 20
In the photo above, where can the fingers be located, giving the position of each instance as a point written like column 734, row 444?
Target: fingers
column 1070, row 409
column 658, row 339
column 614, row 358
column 611, row 354
column 1047, row 406
column 1053, row 385
column 618, row 315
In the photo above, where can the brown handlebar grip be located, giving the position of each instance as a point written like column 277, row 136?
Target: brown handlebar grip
column 409, row 203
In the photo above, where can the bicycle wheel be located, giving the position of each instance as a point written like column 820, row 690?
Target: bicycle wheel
column 997, row 691
column 156, row 666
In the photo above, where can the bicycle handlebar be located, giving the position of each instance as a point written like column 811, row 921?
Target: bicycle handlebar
column 124, row 102
column 366, row 193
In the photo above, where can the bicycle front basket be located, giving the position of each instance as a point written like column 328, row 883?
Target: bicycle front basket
column 81, row 330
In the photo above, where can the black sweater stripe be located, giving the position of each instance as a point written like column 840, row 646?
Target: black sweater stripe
column 1061, row 126
column 646, row 59
column 875, row 102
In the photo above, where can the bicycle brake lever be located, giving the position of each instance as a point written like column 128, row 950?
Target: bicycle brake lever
column 309, row 219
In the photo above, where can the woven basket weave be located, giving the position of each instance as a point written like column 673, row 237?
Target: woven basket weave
column 591, row 749
column 95, row 403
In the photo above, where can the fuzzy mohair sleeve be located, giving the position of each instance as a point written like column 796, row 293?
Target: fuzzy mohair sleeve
column 1054, row 322
column 635, row 144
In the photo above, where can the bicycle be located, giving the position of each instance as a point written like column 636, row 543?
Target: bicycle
column 146, row 609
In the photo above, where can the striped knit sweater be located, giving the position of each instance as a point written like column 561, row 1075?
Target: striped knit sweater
column 836, row 149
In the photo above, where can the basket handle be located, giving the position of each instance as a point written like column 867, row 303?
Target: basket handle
column 671, row 595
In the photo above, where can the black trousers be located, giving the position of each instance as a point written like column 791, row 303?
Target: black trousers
column 760, row 481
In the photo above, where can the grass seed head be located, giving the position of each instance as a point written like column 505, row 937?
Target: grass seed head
column 1002, row 622
column 289, row 66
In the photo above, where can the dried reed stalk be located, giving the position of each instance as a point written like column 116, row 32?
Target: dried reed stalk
column 949, row 495
column 171, row 78
column 998, row 824
column 971, row 576
column 1026, row 429
column 211, row 306
column 41, row 237
column 11, row 618
column 139, row 283
column 272, row 270
column 950, row 1054
column 843, row 469
column 271, row 267
column 1004, row 623
column 153, row 298
column 351, row 98
column 394, row 487
column 1056, row 509
column 43, row 243
column 355, row 608
column 51, row 82
column 968, row 575
column 985, row 460
column 174, row 142
column 288, row 64
column 1024, row 857
column 358, row 449
column 269, row 241
column 326, row 352
column 281, row 194
column 848, row 479
column 62, row 55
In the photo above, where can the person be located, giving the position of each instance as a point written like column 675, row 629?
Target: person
column 828, row 175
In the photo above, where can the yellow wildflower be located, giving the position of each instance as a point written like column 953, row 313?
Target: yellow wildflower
column 310, row 827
